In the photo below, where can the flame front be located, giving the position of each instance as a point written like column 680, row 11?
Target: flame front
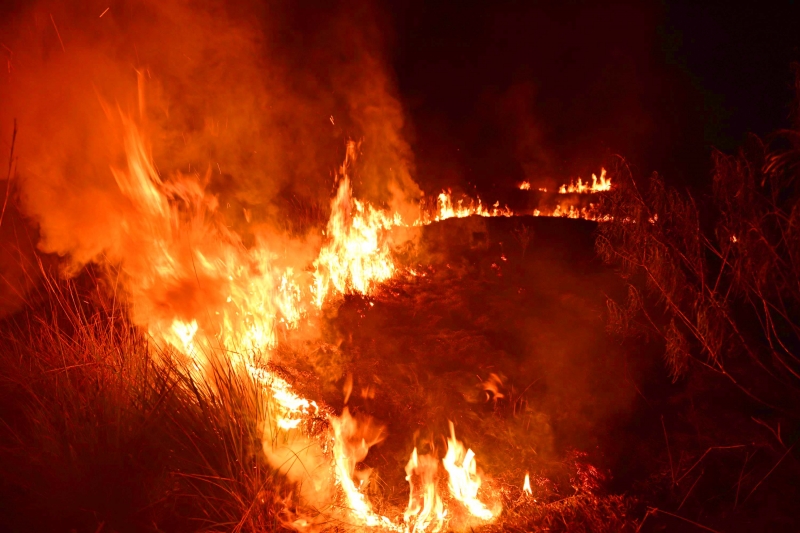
column 446, row 208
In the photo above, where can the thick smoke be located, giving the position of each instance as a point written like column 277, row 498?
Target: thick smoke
column 231, row 94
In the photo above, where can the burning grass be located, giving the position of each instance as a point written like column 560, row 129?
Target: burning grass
column 500, row 334
column 105, row 430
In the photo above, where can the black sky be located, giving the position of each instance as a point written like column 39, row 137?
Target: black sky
column 502, row 90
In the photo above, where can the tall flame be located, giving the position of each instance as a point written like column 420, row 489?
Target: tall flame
column 352, row 441
column 464, row 481
column 357, row 255
column 425, row 510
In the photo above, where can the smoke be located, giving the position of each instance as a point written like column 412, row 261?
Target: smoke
column 253, row 102
column 212, row 92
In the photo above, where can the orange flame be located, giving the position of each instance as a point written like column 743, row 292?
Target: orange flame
column 191, row 283
column 597, row 185
column 425, row 508
column 357, row 255
column 446, row 208
column 352, row 441
column 464, row 479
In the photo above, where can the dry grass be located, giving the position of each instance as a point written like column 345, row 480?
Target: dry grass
column 714, row 281
column 104, row 432
column 100, row 432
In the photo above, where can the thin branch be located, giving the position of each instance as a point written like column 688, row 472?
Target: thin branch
column 706, row 453
column 771, row 470
column 58, row 33
column 654, row 510
column 690, row 490
column 669, row 452
column 8, row 176
column 739, row 483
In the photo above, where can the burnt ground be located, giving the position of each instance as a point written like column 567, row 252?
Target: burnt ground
column 597, row 421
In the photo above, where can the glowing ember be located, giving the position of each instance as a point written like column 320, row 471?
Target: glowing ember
column 524, row 186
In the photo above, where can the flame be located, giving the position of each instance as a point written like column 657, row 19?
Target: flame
column 291, row 408
column 357, row 255
column 597, row 185
column 464, row 480
column 526, row 485
column 425, row 507
column 493, row 387
column 445, row 208
column 352, row 441
column 191, row 282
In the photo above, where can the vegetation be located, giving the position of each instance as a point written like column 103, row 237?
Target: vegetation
column 714, row 278
column 101, row 432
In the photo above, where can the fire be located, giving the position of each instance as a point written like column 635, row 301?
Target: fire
column 291, row 408
column 196, row 287
column 207, row 295
column 186, row 259
column 357, row 255
column 464, row 480
column 445, row 208
column 352, row 440
column 425, row 510
column 597, row 185
column 526, row 485
column 248, row 298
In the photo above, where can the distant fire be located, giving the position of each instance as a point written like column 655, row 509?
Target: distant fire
column 600, row 184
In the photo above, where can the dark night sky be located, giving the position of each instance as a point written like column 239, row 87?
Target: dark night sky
column 497, row 90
